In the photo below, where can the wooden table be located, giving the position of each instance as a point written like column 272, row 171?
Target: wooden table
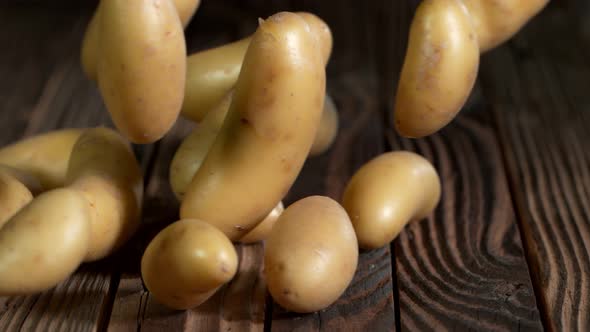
column 508, row 248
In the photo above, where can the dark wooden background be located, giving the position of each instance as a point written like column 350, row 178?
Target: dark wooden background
column 507, row 249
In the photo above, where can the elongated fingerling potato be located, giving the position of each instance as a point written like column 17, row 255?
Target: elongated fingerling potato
column 192, row 151
column 387, row 193
column 13, row 195
column 104, row 169
column 268, row 131
column 261, row 231
column 439, row 70
column 187, row 262
column 327, row 130
column 141, row 66
column 497, row 21
column 44, row 242
column 311, row 255
column 185, row 9
column 212, row 73
column 44, row 156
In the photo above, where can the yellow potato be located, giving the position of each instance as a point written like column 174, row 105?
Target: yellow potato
column 44, row 242
column 191, row 153
column 104, row 169
column 187, row 262
column 14, row 195
column 268, row 131
column 328, row 129
column 387, row 193
column 185, row 8
column 261, row 231
column 212, row 73
column 44, row 156
column 497, row 21
column 439, row 69
column 141, row 66
column 311, row 255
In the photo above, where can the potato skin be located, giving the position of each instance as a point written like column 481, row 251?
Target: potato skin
column 192, row 151
column 44, row 242
column 311, row 255
column 387, row 193
column 261, row 231
column 185, row 8
column 45, row 156
column 327, row 130
column 497, row 21
column 104, row 169
column 439, row 70
column 14, row 195
column 141, row 66
column 187, row 262
column 210, row 75
column 268, row 131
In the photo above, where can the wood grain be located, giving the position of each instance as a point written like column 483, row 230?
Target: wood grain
column 464, row 267
column 538, row 90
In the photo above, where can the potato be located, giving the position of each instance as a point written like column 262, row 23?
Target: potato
column 328, row 129
column 45, row 156
column 141, row 66
column 212, row 73
column 191, row 153
column 439, row 69
column 261, row 231
column 104, row 169
column 13, row 195
column 387, row 193
column 185, row 8
column 268, row 131
column 497, row 21
column 44, row 242
column 311, row 255
column 187, row 262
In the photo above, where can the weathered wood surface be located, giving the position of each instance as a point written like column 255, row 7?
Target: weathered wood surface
column 538, row 89
column 464, row 268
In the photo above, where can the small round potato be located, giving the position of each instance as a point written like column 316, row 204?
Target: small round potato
column 268, row 131
column 311, row 255
column 141, row 66
column 186, row 262
column 45, row 156
column 387, row 193
column 328, row 129
column 261, row 231
column 44, row 242
column 439, row 69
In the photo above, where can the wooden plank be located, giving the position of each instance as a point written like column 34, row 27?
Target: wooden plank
column 538, row 89
column 464, row 267
column 367, row 304
column 51, row 93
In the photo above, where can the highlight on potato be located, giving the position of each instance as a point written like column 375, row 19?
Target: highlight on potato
column 387, row 193
column 442, row 58
column 262, row 144
column 89, row 205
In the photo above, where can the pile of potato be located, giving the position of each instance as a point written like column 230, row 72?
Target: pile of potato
column 75, row 195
